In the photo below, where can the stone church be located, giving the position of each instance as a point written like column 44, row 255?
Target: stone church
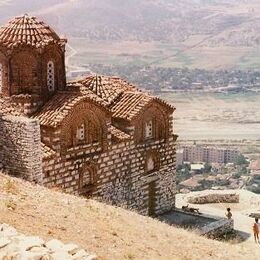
column 99, row 137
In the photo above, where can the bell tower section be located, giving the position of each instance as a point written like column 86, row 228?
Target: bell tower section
column 32, row 63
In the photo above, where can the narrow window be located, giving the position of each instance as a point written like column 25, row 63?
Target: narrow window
column 148, row 129
column 50, row 76
column 81, row 132
column 150, row 164
column 1, row 77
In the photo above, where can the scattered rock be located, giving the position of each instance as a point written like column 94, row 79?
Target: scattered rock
column 61, row 255
column 71, row 248
column 54, row 245
column 17, row 246
column 81, row 254
column 29, row 242
column 4, row 242
column 7, row 230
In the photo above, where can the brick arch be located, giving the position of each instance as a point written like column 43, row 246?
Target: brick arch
column 94, row 119
column 158, row 116
column 24, row 70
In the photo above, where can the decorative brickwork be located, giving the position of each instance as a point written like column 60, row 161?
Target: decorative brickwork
column 99, row 137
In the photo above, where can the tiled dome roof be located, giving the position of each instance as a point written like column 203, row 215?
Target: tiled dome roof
column 26, row 30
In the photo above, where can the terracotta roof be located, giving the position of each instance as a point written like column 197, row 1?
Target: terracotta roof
column 26, row 30
column 108, row 89
column 7, row 108
column 47, row 152
column 122, row 98
column 56, row 109
column 118, row 134
column 130, row 104
column 115, row 95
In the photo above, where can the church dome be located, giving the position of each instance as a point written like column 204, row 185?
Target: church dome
column 28, row 31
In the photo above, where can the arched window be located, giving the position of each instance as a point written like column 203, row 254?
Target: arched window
column 87, row 179
column 152, row 163
column 148, row 129
column 87, row 132
column 1, row 77
column 81, row 132
column 50, row 76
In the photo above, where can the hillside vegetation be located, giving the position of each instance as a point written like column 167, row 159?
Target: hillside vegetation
column 109, row 232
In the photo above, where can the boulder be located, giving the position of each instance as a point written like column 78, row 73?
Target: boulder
column 54, row 245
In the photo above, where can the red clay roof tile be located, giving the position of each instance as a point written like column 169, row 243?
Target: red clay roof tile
column 26, row 30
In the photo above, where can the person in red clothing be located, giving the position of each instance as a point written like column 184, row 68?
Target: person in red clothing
column 256, row 230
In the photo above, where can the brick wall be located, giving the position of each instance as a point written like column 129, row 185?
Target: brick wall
column 20, row 147
column 120, row 177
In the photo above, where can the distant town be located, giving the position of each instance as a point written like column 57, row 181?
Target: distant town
column 201, row 167
column 158, row 79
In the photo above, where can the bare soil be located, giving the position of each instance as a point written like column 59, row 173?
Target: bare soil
column 109, row 232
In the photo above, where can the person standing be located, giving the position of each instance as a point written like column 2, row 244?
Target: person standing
column 256, row 230
column 229, row 214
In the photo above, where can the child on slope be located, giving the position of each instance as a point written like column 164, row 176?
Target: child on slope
column 256, row 230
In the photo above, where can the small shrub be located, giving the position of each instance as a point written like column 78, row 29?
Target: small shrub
column 11, row 205
column 129, row 255
column 11, row 187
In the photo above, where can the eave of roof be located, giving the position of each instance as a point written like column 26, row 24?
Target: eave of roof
column 55, row 110
column 118, row 134
column 8, row 108
column 131, row 104
column 47, row 152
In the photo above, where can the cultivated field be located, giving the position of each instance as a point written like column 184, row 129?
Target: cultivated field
column 216, row 116
column 164, row 54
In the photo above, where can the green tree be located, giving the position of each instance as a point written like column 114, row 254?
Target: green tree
column 241, row 160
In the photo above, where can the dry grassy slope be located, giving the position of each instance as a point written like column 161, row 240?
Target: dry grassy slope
column 110, row 232
column 227, row 22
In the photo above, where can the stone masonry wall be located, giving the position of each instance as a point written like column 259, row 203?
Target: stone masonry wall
column 218, row 228
column 120, row 178
column 208, row 196
column 120, row 175
column 20, row 147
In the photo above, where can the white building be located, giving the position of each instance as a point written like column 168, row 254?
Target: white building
column 208, row 154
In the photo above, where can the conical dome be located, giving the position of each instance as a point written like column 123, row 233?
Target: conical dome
column 26, row 30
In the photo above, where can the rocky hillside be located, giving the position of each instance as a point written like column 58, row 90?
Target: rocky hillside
column 204, row 22
column 108, row 232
